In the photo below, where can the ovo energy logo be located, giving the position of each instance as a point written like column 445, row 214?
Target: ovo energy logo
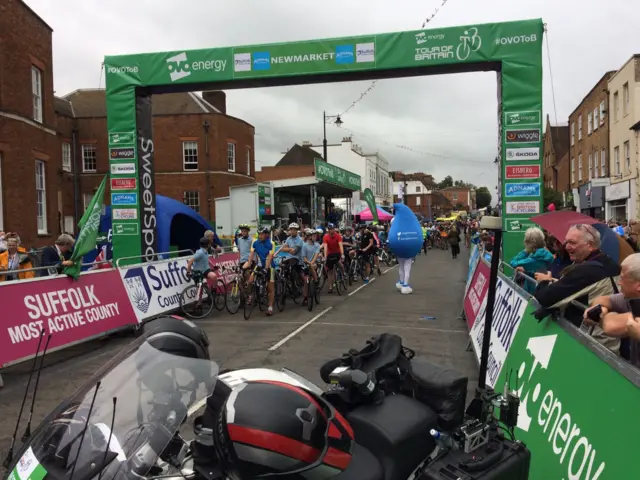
column 179, row 66
column 546, row 412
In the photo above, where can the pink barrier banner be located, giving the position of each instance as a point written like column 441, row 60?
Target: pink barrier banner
column 227, row 261
column 476, row 293
column 72, row 311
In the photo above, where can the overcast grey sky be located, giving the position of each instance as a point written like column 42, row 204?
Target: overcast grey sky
column 426, row 114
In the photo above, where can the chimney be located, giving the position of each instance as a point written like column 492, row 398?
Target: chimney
column 217, row 98
column 306, row 143
column 346, row 139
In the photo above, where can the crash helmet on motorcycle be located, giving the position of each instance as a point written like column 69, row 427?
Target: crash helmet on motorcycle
column 270, row 428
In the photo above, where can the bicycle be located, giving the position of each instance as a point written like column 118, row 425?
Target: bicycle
column 288, row 284
column 234, row 289
column 469, row 44
column 257, row 294
column 201, row 293
column 339, row 283
column 312, row 294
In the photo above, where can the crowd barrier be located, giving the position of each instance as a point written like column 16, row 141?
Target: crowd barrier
column 99, row 303
column 577, row 398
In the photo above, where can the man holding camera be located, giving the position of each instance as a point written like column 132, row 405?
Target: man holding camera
column 620, row 312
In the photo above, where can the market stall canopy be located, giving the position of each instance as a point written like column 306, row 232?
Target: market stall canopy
column 382, row 215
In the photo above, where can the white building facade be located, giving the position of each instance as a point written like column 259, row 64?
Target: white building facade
column 621, row 195
column 373, row 169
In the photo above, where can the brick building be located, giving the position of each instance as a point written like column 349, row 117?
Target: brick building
column 556, row 158
column 462, row 198
column 54, row 150
column 589, row 147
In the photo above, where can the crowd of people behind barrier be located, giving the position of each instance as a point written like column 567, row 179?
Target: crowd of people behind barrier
column 18, row 263
column 575, row 279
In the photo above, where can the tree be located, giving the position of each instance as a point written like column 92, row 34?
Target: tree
column 483, row 197
column 461, row 183
column 551, row 196
column 446, row 183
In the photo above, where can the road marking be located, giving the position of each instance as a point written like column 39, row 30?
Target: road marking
column 298, row 330
column 428, row 329
column 389, row 269
column 361, row 287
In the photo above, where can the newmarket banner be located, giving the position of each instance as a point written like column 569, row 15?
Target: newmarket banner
column 476, row 293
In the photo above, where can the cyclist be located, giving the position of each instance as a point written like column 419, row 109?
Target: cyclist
column 200, row 265
column 293, row 245
column 263, row 249
column 367, row 246
column 244, row 243
column 348, row 244
column 383, row 235
column 333, row 253
column 309, row 256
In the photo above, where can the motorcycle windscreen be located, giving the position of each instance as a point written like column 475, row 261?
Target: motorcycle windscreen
column 153, row 393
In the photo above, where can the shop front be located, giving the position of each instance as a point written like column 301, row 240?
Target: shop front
column 619, row 201
column 592, row 200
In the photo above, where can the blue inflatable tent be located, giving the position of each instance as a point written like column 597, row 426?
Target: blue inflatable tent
column 178, row 227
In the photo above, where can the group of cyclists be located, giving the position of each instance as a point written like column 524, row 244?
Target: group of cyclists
column 304, row 250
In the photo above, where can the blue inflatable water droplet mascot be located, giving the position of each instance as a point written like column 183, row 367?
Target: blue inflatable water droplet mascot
column 405, row 240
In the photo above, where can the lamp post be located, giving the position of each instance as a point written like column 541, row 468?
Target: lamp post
column 338, row 122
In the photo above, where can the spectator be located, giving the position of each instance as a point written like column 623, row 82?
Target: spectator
column 15, row 258
column 57, row 256
column 535, row 258
column 591, row 275
column 3, row 243
column 616, row 318
column 214, row 241
column 561, row 259
column 488, row 251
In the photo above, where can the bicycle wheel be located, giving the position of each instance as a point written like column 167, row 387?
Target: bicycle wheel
column 388, row 260
column 234, row 297
column 341, row 280
column 249, row 305
column 322, row 278
column 220, row 295
column 311, row 292
column 194, row 308
column 295, row 289
column 280, row 293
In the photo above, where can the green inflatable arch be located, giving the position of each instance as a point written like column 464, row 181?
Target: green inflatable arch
column 512, row 49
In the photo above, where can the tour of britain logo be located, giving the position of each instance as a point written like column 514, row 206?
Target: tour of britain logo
column 178, row 66
column 138, row 289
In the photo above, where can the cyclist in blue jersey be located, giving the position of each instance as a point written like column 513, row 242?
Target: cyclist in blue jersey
column 262, row 250
column 244, row 243
column 293, row 245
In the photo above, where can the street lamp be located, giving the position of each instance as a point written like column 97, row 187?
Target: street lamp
column 338, row 122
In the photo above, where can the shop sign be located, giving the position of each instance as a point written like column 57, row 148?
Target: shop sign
column 617, row 191
column 325, row 172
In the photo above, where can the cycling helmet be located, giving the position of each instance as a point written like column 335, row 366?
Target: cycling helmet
column 244, row 226
column 289, row 432
column 330, row 226
column 348, row 229
column 294, row 225
column 263, row 230
column 309, row 231
column 320, row 231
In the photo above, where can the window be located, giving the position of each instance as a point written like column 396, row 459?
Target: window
column 616, row 160
column 69, row 225
column 625, row 99
column 66, row 157
column 580, row 167
column 1, row 217
column 627, row 157
column 86, row 200
column 41, row 198
column 417, row 201
column 36, row 91
column 596, row 169
column 596, row 123
column 190, row 156
column 603, row 163
column 580, row 127
column 590, row 166
column 231, row 156
column 89, row 160
column 616, row 106
column 602, row 112
column 192, row 199
column 248, row 161
column 417, row 189
column 455, row 196
column 573, row 133
column 573, row 170
column 589, row 123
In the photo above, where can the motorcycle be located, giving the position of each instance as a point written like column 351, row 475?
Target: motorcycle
column 127, row 421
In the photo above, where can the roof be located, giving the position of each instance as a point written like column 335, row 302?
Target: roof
column 35, row 14
column 63, row 107
column 299, row 155
column 560, row 141
column 635, row 56
column 91, row 103
column 606, row 78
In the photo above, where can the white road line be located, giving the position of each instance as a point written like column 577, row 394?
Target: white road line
column 298, row 330
column 361, row 287
column 389, row 269
column 443, row 330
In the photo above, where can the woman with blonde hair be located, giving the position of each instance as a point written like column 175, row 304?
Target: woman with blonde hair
column 535, row 258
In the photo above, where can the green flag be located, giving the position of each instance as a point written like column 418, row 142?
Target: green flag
column 89, row 225
column 371, row 203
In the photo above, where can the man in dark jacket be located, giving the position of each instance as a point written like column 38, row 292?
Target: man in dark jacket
column 591, row 275
column 57, row 256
